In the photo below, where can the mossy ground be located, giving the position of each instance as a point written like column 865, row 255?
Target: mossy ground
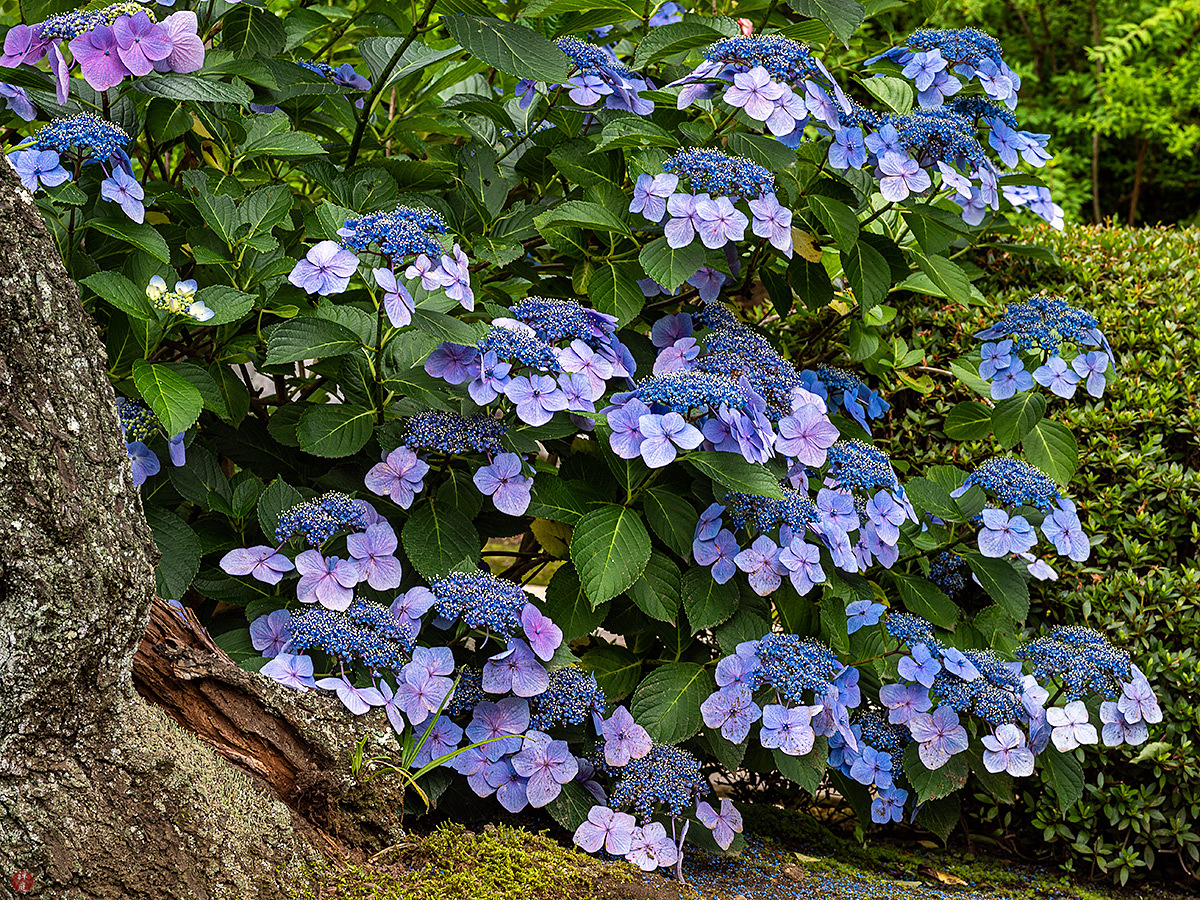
column 801, row 860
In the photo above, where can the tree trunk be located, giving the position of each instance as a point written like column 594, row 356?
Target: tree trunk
column 101, row 794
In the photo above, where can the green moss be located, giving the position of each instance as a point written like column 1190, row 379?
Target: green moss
column 499, row 863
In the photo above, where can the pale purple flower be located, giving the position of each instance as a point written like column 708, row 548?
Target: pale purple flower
column 176, row 447
column 888, row 806
column 732, row 710
column 803, row 563
column 625, row 422
column 537, row 398
column 1005, row 751
column 922, row 666
column 837, row 509
column 904, row 701
column 944, row 85
column 724, row 825
column 1117, row 731
column 709, row 523
column 408, row 608
column 861, row 613
column 506, row 484
column 720, row 553
column 708, row 281
column 140, row 42
column 548, row 765
column 326, row 269
column 291, row 671
column 1058, row 376
column 650, row 848
column 1090, row 366
column 1039, row 568
column 99, row 59
column 974, row 206
column 124, row 190
column 940, row 736
column 884, row 141
column 1063, row 529
column 886, row 515
column 669, row 329
column 788, row 116
column 952, row 178
column 719, row 222
column 1137, row 703
column 429, row 271
column 270, row 633
column 684, row 221
column 761, row 563
column 357, row 700
column 579, row 358
column 922, row 68
column 996, row 84
column 1009, row 381
column 679, row 357
column 840, row 547
column 374, row 550
column 604, row 828
column 419, row 693
column 22, row 44
column 1002, row 535
column 261, row 562
column 901, row 176
column 456, row 278
column 956, row 663
column 515, row 670
column 509, row 716
column 397, row 301
column 788, row 729
column 491, row 380
column 187, row 49
column 400, row 476
column 143, row 461
column 994, row 357
column 663, row 434
column 453, row 363
column 755, row 92
column 39, row 167
column 510, row 787
column 443, row 738
column 544, row 636
column 624, row 739
column 587, row 89
column 329, row 582
column 1007, row 142
column 1071, row 726
column 873, row 768
column 391, row 706
column 847, row 150
column 650, row 195
column 820, row 105
column 773, row 222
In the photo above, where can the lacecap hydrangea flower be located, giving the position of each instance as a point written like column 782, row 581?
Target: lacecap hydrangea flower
column 596, row 75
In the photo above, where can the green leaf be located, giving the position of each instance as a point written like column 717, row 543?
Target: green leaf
column 233, row 392
column 947, row 275
column 998, row 784
column 610, row 549
column 933, row 498
column 1065, row 774
column 667, row 702
column 933, row 784
column 141, row 235
column 616, row 668
column 377, row 52
column 634, row 131
column 656, row 593
column 228, row 304
column 925, row 599
column 735, row 473
column 895, row 93
column 195, row 89
column 271, row 135
column 582, row 214
column 673, row 519
column 1051, row 447
column 868, row 274
column 122, row 293
column 173, row 398
column 510, row 48
column 1002, row 583
column 556, row 500
column 1015, row 417
column 335, row 430
column 707, row 603
column 200, row 477
column 807, row 771
column 571, row 807
column 201, row 380
column 569, row 606
column 309, row 337
column 931, row 233
column 839, row 220
column 180, row 550
column 249, row 30
column 841, row 17
column 667, row 40
column 810, row 282
column 968, row 421
column 278, row 496
column 613, row 289
column 940, row 816
column 439, row 539
column 668, row 267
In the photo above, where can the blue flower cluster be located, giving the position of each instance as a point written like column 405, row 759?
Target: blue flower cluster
column 481, row 600
column 949, row 572
column 874, row 761
column 138, row 426
column 321, row 518
column 596, row 75
column 667, row 776
column 845, row 391
column 452, row 433
column 366, row 632
column 572, row 697
column 1084, row 660
column 405, row 231
column 1034, row 332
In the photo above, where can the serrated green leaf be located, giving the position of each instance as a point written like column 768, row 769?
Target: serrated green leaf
column 671, row 268
column 1065, row 775
column 119, row 291
column 309, row 337
column 610, row 549
column 673, row 519
column 1015, row 417
column 868, row 274
column 968, row 421
column 173, row 398
column 1002, row 583
column 707, row 603
column 933, row 498
column 735, row 473
column 656, row 592
column 841, row 17
column 667, row 40
column 195, row 88
column 180, row 549
column 334, row 430
column 667, row 702
column 582, row 214
column 807, row 771
column 141, row 235
column 839, row 220
column 613, row 289
column 616, row 668
column 438, row 539
column 925, row 599
column 1051, row 447
column 894, row 93
column 635, row 132
column 510, row 48
column 278, row 496
column 933, row 784
column 568, row 605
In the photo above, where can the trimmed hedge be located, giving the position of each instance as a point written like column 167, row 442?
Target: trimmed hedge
column 1138, row 487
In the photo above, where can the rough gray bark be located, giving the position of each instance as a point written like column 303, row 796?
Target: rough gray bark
column 101, row 795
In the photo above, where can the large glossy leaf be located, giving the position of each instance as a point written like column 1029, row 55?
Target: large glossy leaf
column 735, row 473
column 439, row 539
column 610, row 549
column 173, row 398
column 667, row 702
column 509, row 47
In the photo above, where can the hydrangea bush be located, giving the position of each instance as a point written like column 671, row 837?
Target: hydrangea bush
column 461, row 300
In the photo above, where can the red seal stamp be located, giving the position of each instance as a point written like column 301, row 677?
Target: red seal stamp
column 22, row 881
